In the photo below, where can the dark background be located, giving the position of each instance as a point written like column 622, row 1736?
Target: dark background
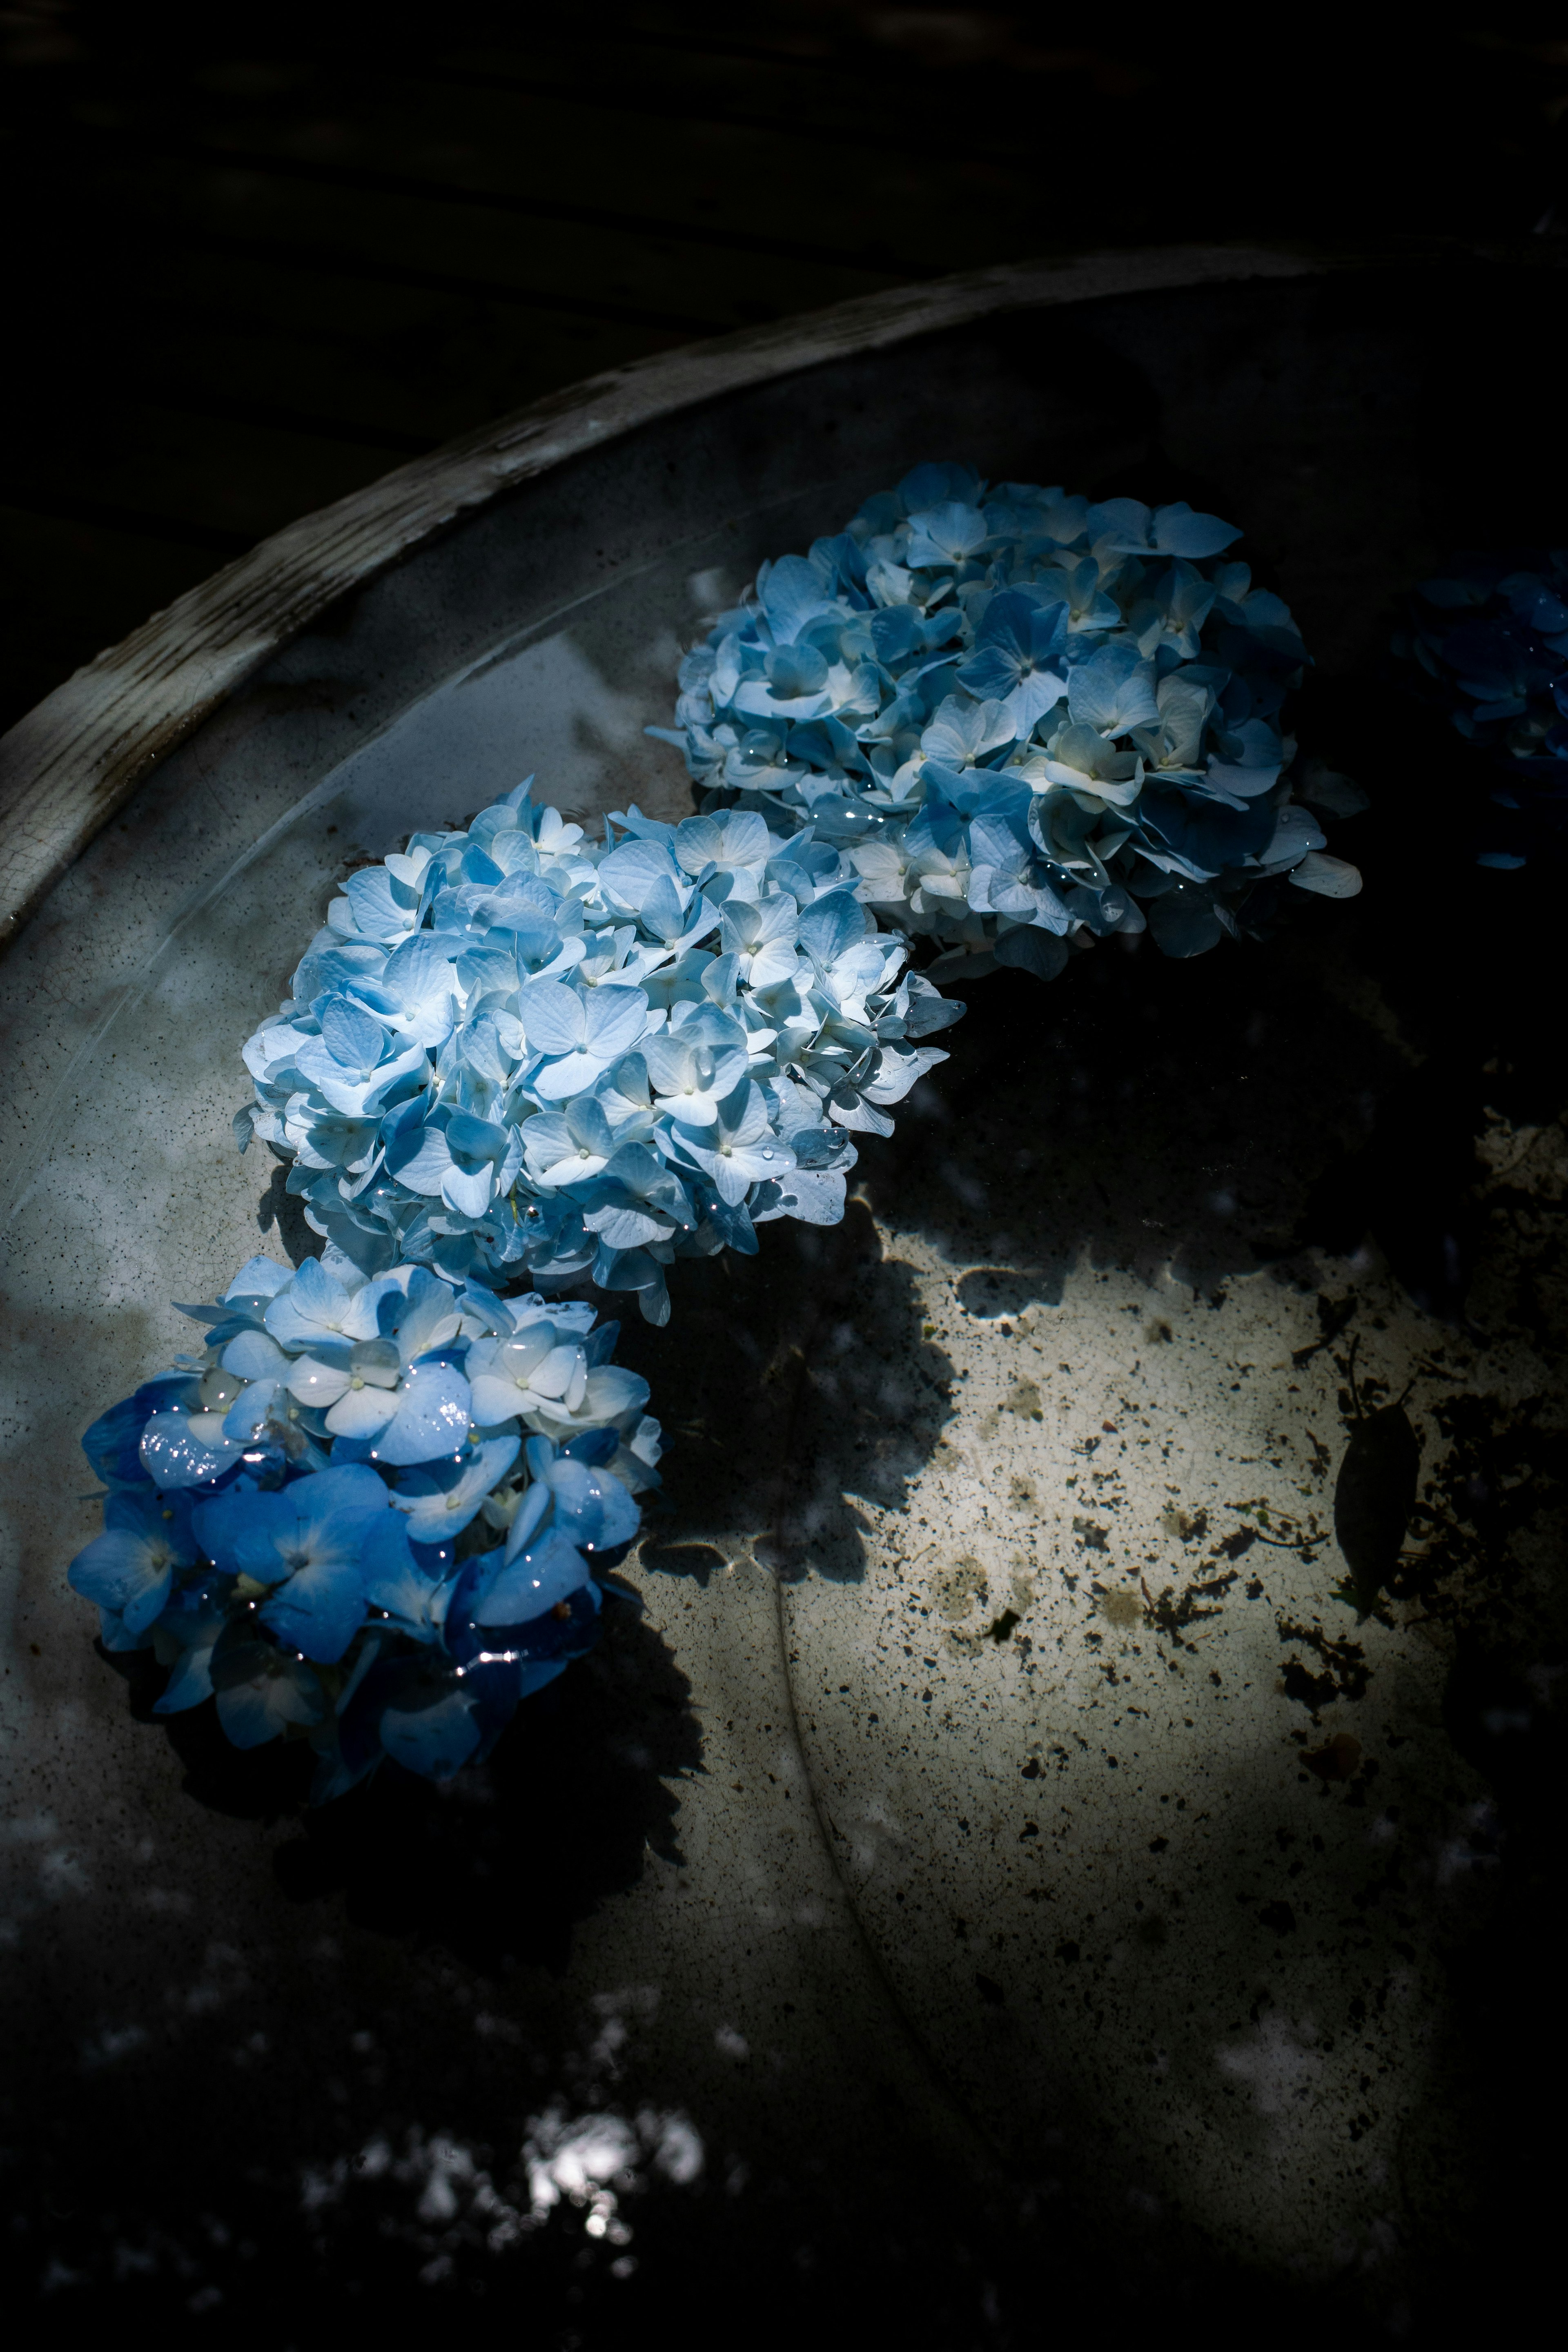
column 254, row 256
column 257, row 255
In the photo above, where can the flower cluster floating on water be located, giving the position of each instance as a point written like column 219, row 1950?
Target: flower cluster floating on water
column 370, row 1513
column 514, row 1050
column 1491, row 634
column 1018, row 715
column 978, row 721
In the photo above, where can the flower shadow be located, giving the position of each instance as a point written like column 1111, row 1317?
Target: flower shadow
column 1475, row 995
column 280, row 1210
column 991, row 1293
column 498, row 1865
column 1168, row 1118
column 809, row 1392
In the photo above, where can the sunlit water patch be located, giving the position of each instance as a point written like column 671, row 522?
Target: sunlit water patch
column 1159, row 1841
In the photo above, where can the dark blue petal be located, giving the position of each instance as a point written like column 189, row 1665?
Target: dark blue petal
column 1185, row 921
column 112, row 1443
column 1205, row 835
column 415, row 1708
column 593, row 1445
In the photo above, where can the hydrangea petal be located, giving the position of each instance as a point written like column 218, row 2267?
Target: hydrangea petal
column 432, row 1419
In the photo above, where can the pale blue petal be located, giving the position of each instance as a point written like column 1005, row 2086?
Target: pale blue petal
column 432, row 1418
column 546, row 1573
column 554, row 1018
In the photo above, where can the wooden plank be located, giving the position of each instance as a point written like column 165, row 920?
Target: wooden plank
column 719, row 190
column 363, row 271
column 802, row 41
column 236, row 475
column 401, row 367
column 380, row 169
column 810, row 102
column 71, row 584
column 630, row 272
column 77, row 757
column 63, row 502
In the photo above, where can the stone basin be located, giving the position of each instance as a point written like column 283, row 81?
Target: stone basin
column 991, row 1873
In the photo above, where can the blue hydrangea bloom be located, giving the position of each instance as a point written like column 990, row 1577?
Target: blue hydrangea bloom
column 1017, row 717
column 1488, row 640
column 130, row 1570
column 980, row 722
column 370, row 1513
column 513, row 1052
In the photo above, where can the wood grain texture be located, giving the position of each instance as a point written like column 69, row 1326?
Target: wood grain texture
column 75, row 758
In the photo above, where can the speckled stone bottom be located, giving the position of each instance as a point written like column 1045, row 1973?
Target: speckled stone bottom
column 1152, row 1836
column 1162, row 1849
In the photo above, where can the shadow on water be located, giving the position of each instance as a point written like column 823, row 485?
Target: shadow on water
column 790, row 1384
column 1466, row 960
column 1195, row 1121
column 1161, row 1118
column 1214, row 1117
column 498, row 1865
column 283, row 1212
